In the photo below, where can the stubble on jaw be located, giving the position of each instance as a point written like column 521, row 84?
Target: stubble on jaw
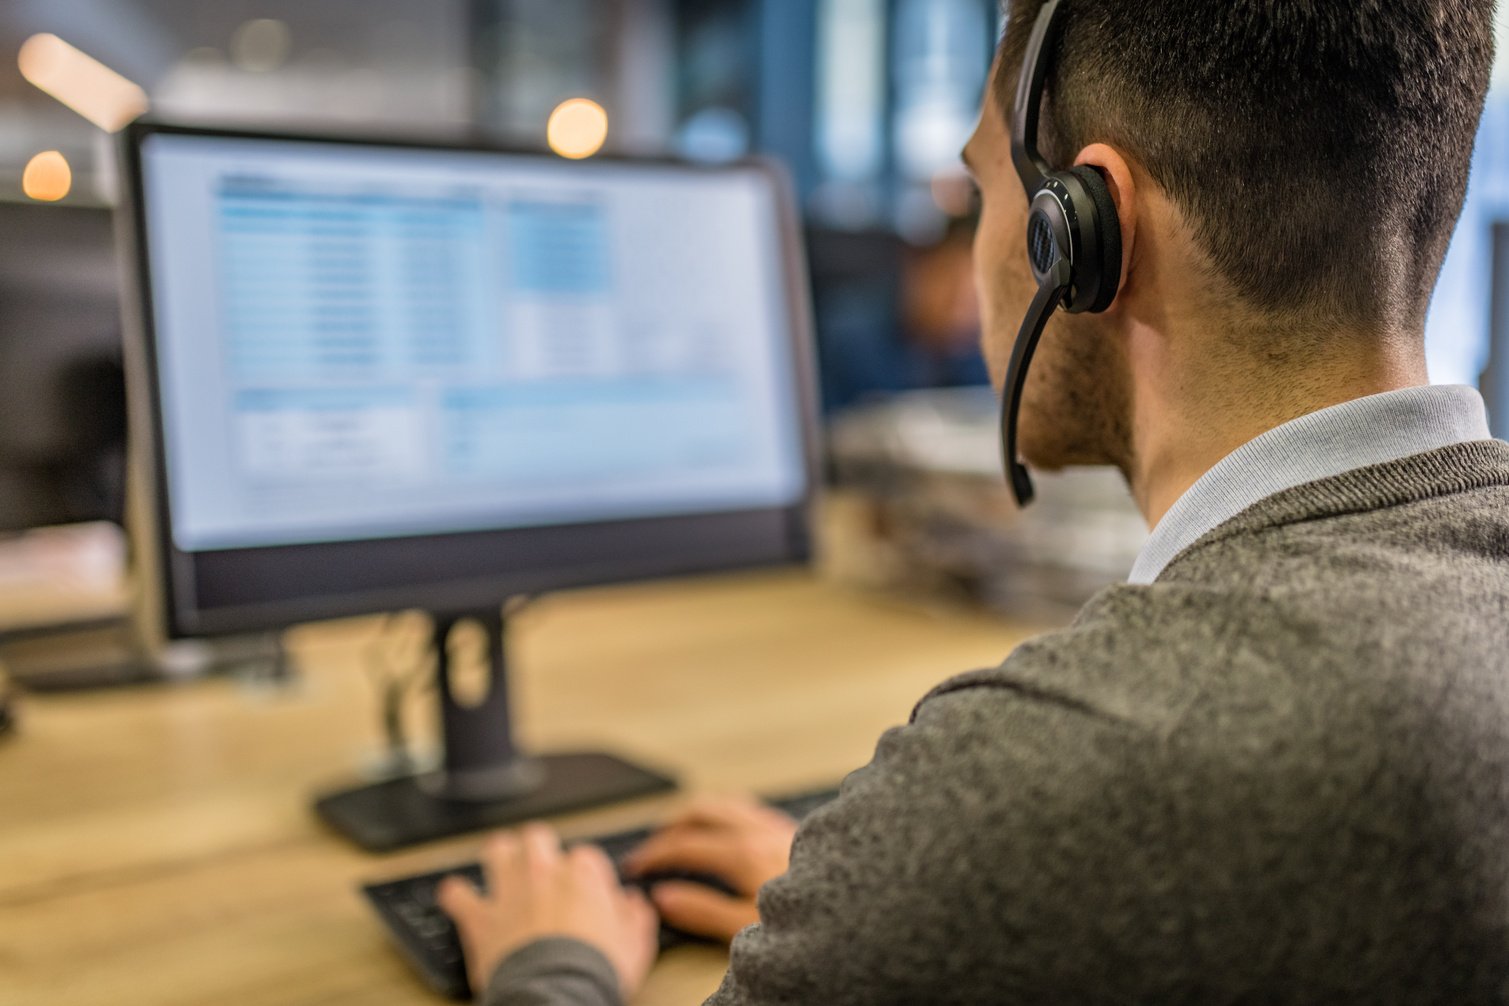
column 1077, row 406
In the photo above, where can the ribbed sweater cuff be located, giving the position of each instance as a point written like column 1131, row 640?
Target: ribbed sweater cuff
column 554, row 971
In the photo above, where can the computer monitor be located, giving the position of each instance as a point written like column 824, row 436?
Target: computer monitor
column 62, row 393
column 380, row 375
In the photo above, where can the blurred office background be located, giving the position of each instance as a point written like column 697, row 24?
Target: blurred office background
column 867, row 102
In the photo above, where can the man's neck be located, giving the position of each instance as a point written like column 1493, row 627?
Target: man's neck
column 1183, row 427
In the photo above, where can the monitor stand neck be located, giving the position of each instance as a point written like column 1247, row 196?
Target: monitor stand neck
column 481, row 760
column 486, row 781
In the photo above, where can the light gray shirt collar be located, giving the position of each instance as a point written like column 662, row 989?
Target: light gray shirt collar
column 1367, row 431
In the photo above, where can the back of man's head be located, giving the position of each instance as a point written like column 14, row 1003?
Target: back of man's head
column 1319, row 149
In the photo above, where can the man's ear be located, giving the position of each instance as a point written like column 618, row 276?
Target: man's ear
column 1118, row 175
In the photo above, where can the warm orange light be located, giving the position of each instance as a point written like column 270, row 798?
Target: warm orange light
column 578, row 128
column 47, row 177
column 81, row 82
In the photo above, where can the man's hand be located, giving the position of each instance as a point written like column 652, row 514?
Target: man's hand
column 536, row 889
column 742, row 841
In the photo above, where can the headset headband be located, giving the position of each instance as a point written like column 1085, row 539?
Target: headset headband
column 1029, row 98
column 1056, row 278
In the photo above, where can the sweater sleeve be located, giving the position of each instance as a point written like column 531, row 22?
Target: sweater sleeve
column 554, row 972
column 945, row 864
column 995, row 849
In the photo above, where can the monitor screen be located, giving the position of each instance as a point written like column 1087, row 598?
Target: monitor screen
column 359, row 342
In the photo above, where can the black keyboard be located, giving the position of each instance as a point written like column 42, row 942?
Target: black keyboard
column 428, row 939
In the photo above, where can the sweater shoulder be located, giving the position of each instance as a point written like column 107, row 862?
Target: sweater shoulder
column 1136, row 656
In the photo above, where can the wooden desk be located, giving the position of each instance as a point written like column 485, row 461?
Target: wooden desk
column 157, row 846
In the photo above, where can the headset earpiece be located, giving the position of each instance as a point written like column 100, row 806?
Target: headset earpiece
column 1073, row 217
column 1105, row 256
column 1073, row 235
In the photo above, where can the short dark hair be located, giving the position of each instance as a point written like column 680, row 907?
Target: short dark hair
column 1319, row 148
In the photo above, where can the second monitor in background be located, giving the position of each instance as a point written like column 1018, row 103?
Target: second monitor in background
column 386, row 376
column 62, row 394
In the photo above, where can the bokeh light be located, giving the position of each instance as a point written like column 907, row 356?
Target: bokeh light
column 578, row 128
column 47, row 177
column 81, row 82
column 261, row 45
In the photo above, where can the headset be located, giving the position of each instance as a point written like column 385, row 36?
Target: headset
column 1073, row 236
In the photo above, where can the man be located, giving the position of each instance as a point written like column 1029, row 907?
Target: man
column 1274, row 767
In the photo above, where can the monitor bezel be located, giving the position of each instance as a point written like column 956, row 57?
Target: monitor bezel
column 778, row 536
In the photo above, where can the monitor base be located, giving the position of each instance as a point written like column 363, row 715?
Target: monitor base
column 107, row 654
column 402, row 812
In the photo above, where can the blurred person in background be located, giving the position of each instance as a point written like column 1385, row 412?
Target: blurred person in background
column 910, row 327
column 941, row 311
column 1273, row 767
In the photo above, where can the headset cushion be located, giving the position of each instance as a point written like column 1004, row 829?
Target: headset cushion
column 1108, row 232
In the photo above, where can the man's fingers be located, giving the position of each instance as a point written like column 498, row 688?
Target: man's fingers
column 458, row 898
column 702, row 911
column 716, row 811
column 542, row 846
column 502, row 851
column 591, row 862
column 461, row 900
column 639, row 913
column 516, row 861
column 639, row 919
column 698, row 851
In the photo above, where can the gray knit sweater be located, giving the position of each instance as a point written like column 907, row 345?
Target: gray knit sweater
column 1278, row 774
